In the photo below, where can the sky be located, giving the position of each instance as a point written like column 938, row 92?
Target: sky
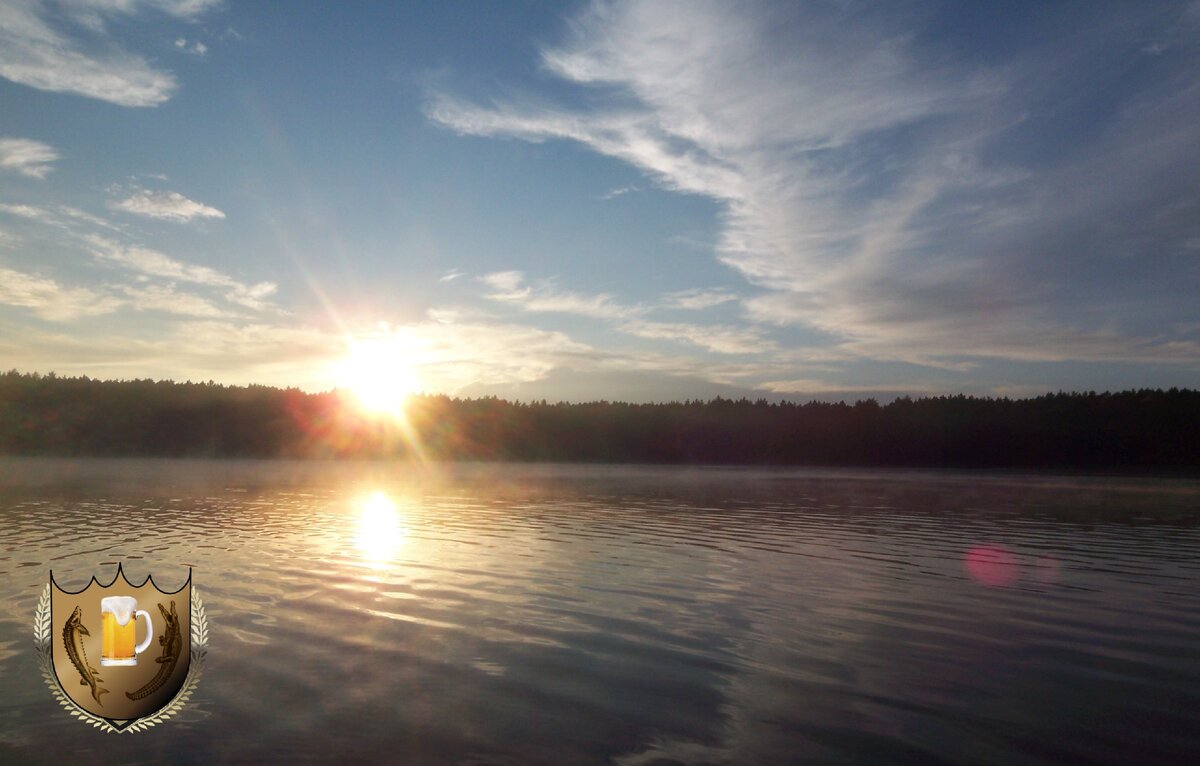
column 642, row 201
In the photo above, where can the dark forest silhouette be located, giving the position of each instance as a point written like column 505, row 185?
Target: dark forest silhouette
column 1131, row 430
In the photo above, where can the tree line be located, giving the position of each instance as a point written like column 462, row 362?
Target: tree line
column 1148, row 429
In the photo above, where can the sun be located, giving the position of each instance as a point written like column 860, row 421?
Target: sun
column 381, row 374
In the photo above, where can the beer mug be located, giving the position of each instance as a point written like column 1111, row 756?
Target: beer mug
column 118, row 623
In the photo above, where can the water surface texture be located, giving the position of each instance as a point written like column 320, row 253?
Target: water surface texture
column 518, row 614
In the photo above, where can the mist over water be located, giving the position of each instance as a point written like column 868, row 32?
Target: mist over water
column 526, row 614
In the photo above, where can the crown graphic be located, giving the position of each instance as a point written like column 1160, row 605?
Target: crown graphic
column 121, row 577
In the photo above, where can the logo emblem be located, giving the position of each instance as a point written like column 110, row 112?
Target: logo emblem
column 122, row 657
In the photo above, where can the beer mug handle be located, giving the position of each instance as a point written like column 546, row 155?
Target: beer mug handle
column 149, row 631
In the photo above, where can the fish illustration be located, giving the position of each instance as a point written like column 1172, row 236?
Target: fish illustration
column 73, row 632
column 172, row 646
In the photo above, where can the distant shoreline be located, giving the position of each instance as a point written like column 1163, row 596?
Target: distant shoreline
column 1141, row 432
column 358, row 464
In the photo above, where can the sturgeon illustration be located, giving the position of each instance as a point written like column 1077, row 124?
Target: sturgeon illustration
column 73, row 631
column 172, row 643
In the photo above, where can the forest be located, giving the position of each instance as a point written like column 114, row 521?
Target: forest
column 1143, row 430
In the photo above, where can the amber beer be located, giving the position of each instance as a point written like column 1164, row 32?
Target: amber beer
column 118, row 624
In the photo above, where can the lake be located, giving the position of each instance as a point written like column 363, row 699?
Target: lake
column 636, row 616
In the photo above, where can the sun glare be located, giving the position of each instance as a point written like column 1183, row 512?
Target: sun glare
column 381, row 531
column 380, row 374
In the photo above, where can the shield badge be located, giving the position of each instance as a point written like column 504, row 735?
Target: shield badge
column 123, row 656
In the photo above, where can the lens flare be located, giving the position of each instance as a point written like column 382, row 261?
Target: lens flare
column 992, row 565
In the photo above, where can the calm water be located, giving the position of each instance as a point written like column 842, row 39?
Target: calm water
column 630, row 616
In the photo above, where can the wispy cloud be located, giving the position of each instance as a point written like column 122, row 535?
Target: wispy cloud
column 86, row 217
column 200, row 349
column 32, row 212
column 451, row 275
column 61, row 216
column 166, row 206
column 156, row 281
column 509, row 287
column 464, row 350
column 27, row 157
column 195, row 47
column 95, row 14
column 721, row 339
column 826, row 389
column 67, row 48
column 504, row 282
column 153, row 263
column 613, row 193
column 454, row 352
column 697, row 299
column 168, row 299
column 51, row 300
column 887, row 195
column 450, row 354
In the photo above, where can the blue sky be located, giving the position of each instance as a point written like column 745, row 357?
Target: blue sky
column 643, row 201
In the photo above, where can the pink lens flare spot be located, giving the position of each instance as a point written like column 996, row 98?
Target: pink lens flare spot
column 992, row 565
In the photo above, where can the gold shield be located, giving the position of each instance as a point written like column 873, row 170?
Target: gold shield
column 121, row 689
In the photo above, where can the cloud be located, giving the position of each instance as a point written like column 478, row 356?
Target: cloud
column 899, row 193
column 155, row 264
column 451, row 275
column 82, row 215
column 613, row 193
column 49, row 299
column 67, row 48
column 504, row 282
column 25, row 211
column 160, row 281
column 720, row 339
column 565, row 384
column 798, row 385
column 168, row 299
column 27, row 157
column 187, row 350
column 95, row 14
column 451, row 355
column 61, row 217
column 196, row 48
column 815, row 389
column 472, row 353
column 53, row 301
column 166, row 206
column 697, row 299
column 509, row 287
column 251, row 352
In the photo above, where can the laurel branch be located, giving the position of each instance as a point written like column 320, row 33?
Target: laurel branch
column 45, row 650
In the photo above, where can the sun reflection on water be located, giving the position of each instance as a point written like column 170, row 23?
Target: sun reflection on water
column 381, row 530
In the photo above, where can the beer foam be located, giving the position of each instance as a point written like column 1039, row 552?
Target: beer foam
column 122, row 607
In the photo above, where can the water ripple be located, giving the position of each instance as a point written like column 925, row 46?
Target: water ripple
column 607, row 614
